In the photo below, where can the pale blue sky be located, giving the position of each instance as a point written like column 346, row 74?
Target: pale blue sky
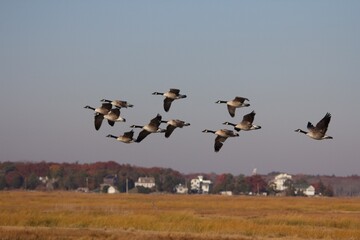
column 294, row 60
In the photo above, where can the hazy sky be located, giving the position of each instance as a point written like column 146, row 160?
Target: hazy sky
column 294, row 60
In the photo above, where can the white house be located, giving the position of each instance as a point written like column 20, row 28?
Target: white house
column 112, row 190
column 307, row 190
column 200, row 185
column 109, row 182
column 310, row 191
column 181, row 189
column 226, row 193
column 279, row 181
column 146, row 182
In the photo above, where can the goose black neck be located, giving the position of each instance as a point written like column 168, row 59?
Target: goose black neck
column 90, row 107
column 302, row 131
column 209, row 131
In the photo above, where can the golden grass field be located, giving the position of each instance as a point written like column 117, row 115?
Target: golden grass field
column 69, row 215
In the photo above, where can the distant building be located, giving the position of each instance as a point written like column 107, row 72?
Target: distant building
column 83, row 189
column 310, row 191
column 307, row 190
column 199, row 185
column 146, row 182
column 226, row 193
column 109, row 184
column 181, row 189
column 49, row 183
column 112, row 190
column 279, row 181
column 110, row 180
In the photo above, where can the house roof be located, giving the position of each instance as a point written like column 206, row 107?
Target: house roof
column 302, row 186
column 146, row 180
column 110, row 176
column 283, row 176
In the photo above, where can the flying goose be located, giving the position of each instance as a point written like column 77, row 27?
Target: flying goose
column 246, row 124
column 99, row 113
column 170, row 96
column 127, row 137
column 237, row 102
column 318, row 132
column 114, row 116
column 151, row 127
column 222, row 135
column 118, row 103
column 172, row 124
column 103, row 109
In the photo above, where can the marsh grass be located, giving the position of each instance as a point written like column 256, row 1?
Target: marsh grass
column 181, row 217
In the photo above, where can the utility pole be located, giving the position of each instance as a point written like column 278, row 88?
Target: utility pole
column 127, row 185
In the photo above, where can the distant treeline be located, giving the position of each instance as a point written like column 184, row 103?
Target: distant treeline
column 72, row 176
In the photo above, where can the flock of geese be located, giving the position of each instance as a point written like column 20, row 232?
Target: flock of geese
column 110, row 110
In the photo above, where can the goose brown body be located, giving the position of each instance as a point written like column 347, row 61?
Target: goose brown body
column 118, row 103
column 127, row 137
column 222, row 135
column 151, row 127
column 172, row 125
column 246, row 124
column 318, row 132
column 170, row 96
column 100, row 112
column 237, row 102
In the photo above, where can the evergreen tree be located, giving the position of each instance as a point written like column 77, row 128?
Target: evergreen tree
column 32, row 181
column 3, row 184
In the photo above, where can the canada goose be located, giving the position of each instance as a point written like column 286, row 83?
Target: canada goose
column 172, row 124
column 222, row 135
column 246, row 124
column 104, row 109
column 237, row 102
column 127, row 137
column 114, row 116
column 151, row 127
column 318, row 132
column 170, row 96
column 99, row 113
column 118, row 103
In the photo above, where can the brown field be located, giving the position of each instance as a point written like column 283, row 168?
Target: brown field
column 68, row 215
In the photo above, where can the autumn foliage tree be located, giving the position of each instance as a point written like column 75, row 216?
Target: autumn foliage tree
column 323, row 190
column 224, row 182
column 14, row 179
column 256, row 184
column 70, row 176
